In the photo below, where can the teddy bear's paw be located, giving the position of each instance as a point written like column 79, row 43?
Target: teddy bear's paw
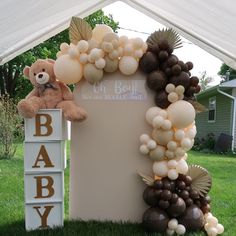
column 78, row 114
column 26, row 109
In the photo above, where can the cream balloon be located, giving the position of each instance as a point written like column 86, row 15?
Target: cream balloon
column 172, row 224
column 128, row 65
column 172, row 164
column 160, row 168
column 144, row 149
column 181, row 114
column 68, row 70
column 92, row 74
column 220, row 228
column 162, row 137
column 151, row 113
column 144, row 138
column 180, row 230
column 151, row 144
column 111, row 65
column 100, row 31
column 182, row 167
column 158, row 153
column 172, row 174
column 158, row 121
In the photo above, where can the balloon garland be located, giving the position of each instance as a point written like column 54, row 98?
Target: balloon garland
column 176, row 192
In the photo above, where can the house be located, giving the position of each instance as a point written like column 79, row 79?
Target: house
column 220, row 117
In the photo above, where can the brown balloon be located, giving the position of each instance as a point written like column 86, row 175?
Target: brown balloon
column 161, row 100
column 190, row 65
column 182, row 79
column 177, row 209
column 192, row 219
column 153, row 48
column 176, row 69
column 151, row 196
column 148, row 62
column 163, row 55
column 172, row 60
column 155, row 220
column 156, row 81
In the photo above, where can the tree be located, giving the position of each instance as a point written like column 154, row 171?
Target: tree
column 226, row 72
column 204, row 81
column 12, row 81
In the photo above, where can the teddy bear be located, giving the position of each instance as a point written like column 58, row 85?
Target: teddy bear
column 48, row 93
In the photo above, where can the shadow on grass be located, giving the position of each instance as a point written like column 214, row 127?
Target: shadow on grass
column 82, row 228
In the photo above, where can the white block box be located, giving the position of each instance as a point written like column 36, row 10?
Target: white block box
column 44, row 156
column 44, row 215
column 47, row 125
column 44, row 187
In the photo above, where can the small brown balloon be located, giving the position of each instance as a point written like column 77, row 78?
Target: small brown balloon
column 188, row 180
column 155, row 220
column 177, row 209
column 189, row 202
column 174, row 198
column 150, row 196
column 194, row 81
column 168, row 71
column 161, row 99
column 166, row 195
column 198, row 89
column 190, row 65
column 192, row 219
column 148, row 62
column 172, row 60
column 183, row 66
column 176, row 69
column 184, row 194
column 158, row 184
column 163, row 55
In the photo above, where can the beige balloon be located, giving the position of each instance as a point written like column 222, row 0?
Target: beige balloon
column 162, row 137
column 92, row 74
column 181, row 114
column 68, row 70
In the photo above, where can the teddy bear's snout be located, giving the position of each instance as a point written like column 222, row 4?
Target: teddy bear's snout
column 42, row 78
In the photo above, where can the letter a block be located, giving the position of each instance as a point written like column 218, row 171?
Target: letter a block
column 44, row 163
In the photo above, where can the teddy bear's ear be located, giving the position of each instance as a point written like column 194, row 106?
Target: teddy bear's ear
column 51, row 61
column 26, row 71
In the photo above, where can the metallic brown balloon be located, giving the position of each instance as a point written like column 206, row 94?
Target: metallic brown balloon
column 150, row 196
column 155, row 220
column 192, row 219
column 158, row 184
column 161, row 100
column 177, row 209
column 182, row 79
column 148, row 62
column 172, row 60
column 156, row 80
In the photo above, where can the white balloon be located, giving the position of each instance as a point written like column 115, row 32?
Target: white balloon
column 163, row 113
column 213, row 221
column 179, row 134
column 172, row 224
column 170, row 88
column 160, row 168
column 158, row 121
column 180, row 230
column 144, row 149
column 220, row 228
column 181, row 114
column 144, row 138
column 151, row 113
column 151, row 144
column 83, row 46
column 212, row 231
column 166, row 125
column 83, row 58
column 180, row 89
column 186, row 144
column 170, row 232
column 172, row 97
column 182, row 167
column 172, row 146
column 158, row 153
column 172, row 164
column 173, row 174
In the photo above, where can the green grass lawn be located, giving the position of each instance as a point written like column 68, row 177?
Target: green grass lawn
column 223, row 194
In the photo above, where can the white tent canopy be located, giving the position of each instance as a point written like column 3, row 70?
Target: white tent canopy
column 209, row 24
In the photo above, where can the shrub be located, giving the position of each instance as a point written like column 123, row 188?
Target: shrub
column 11, row 127
column 203, row 144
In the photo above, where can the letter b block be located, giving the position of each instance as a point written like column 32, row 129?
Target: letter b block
column 47, row 125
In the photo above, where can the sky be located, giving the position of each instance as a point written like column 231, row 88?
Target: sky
column 129, row 18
